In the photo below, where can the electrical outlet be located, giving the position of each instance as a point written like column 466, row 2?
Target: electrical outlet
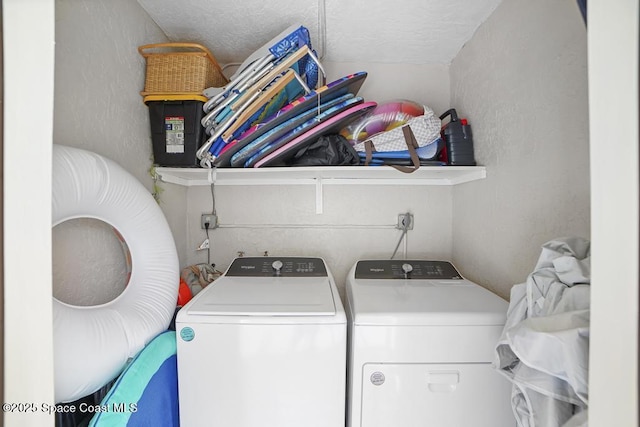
column 210, row 219
column 405, row 221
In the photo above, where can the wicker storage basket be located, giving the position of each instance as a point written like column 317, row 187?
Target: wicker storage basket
column 185, row 68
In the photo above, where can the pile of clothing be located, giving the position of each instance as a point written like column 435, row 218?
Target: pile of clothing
column 544, row 348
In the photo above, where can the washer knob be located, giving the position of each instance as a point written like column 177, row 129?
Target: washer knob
column 406, row 269
column 277, row 266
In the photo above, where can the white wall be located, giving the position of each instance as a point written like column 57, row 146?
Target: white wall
column 357, row 221
column 427, row 84
column 113, row 122
column 98, row 78
column 613, row 98
column 522, row 83
column 28, row 50
column 98, row 67
column 613, row 39
column 417, row 32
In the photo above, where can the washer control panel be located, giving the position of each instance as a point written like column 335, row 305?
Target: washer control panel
column 277, row 267
column 406, row 269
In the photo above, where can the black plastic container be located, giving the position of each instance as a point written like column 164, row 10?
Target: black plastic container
column 458, row 140
column 176, row 132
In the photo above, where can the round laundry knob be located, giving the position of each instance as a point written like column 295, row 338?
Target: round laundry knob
column 407, row 268
column 277, row 265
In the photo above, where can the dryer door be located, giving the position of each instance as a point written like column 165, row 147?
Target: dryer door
column 418, row 395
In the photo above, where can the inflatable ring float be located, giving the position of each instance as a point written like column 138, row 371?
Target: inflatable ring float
column 92, row 344
column 385, row 117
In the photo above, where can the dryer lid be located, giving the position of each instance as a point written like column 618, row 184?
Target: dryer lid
column 261, row 296
column 424, row 303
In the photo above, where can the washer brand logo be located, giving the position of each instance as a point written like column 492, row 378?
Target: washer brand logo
column 376, row 270
column 377, row 378
column 248, row 267
column 187, row 334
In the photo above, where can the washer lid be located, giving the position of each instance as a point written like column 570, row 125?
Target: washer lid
column 424, row 303
column 265, row 296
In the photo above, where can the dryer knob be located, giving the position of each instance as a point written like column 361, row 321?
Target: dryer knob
column 406, row 269
column 277, row 266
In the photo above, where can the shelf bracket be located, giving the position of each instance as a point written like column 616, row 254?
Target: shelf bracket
column 319, row 195
column 211, row 177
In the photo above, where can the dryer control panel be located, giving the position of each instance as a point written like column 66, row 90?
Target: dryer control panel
column 406, row 269
column 277, row 267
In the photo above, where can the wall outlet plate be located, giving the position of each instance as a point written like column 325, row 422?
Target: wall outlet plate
column 210, row 219
column 405, row 221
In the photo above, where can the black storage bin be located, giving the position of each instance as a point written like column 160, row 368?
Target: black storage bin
column 176, row 131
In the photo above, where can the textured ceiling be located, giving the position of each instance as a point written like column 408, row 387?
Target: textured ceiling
column 402, row 31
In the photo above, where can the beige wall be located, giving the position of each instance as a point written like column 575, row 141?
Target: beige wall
column 522, row 83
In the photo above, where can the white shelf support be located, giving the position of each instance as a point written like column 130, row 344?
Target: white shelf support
column 319, row 196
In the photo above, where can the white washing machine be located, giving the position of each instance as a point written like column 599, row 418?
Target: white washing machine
column 421, row 342
column 264, row 346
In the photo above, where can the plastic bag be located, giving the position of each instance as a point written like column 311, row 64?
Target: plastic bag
column 329, row 150
column 198, row 276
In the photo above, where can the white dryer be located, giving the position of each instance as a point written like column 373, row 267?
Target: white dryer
column 264, row 346
column 421, row 342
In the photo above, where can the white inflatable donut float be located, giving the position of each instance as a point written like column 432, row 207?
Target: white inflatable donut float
column 93, row 343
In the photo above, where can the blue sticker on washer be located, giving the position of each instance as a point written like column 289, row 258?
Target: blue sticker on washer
column 187, row 334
